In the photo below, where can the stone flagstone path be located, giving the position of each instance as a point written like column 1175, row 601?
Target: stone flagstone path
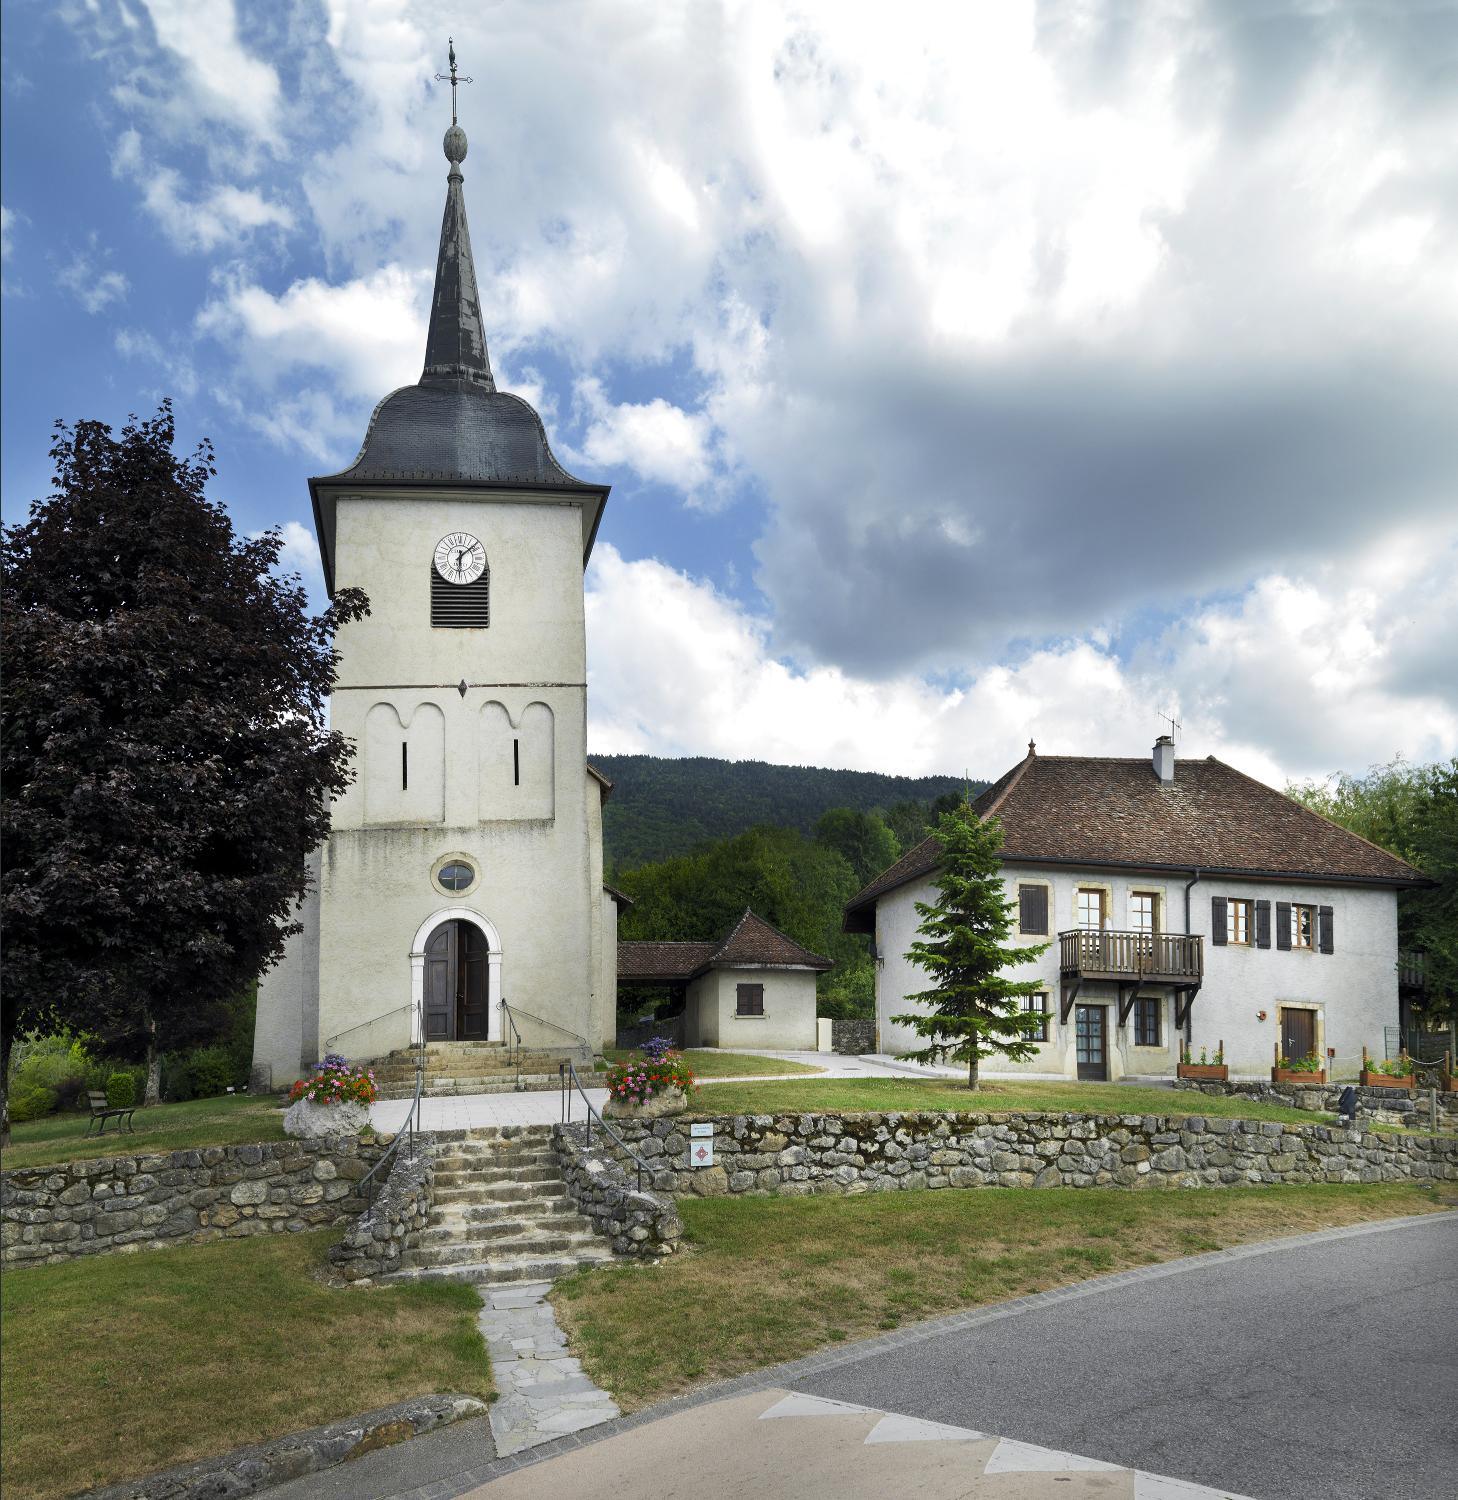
column 544, row 1394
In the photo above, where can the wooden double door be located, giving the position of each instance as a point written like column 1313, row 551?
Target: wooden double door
column 457, row 984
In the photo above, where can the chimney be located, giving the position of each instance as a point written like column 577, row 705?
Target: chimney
column 1164, row 759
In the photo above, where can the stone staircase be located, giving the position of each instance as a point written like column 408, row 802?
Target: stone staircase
column 473, row 1068
column 501, row 1212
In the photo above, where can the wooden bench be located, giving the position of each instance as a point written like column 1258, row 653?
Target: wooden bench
column 101, row 1112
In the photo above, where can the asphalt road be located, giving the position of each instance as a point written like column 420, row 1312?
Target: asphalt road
column 1325, row 1369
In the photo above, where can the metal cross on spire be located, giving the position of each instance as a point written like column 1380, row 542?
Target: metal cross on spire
column 452, row 77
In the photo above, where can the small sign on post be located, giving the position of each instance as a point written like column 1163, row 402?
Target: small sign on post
column 701, row 1144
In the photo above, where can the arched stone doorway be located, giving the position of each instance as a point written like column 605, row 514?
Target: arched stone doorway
column 455, row 965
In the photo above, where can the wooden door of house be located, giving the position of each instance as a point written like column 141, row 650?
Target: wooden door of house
column 1092, row 1051
column 1298, row 1032
column 456, row 983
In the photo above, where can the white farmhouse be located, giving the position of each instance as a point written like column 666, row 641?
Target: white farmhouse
column 1182, row 903
column 464, row 868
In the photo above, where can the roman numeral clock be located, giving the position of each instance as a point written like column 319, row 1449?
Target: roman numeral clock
column 460, row 558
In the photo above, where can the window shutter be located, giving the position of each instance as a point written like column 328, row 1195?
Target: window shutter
column 1217, row 921
column 750, row 998
column 1263, row 924
column 1283, row 925
column 1033, row 908
column 1324, row 925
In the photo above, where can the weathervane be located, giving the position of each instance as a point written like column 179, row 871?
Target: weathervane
column 452, row 78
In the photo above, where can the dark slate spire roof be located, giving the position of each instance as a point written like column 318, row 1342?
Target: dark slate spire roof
column 454, row 429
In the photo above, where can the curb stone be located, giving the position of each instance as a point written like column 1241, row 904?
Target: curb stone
column 259, row 1466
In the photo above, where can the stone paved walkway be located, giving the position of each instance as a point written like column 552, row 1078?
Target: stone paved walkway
column 543, row 1392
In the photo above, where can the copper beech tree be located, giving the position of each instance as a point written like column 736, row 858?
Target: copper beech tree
column 974, row 1010
column 167, row 764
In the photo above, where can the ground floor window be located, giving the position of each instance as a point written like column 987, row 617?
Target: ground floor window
column 1148, row 1014
column 749, row 1000
column 1037, row 1005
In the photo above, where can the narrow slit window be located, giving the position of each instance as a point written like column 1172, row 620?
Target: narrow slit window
column 516, row 762
column 404, row 766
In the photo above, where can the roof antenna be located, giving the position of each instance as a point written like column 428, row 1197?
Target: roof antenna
column 1174, row 724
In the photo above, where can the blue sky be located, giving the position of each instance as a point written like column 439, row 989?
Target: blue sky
column 963, row 375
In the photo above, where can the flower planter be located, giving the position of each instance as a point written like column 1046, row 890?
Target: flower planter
column 310, row 1120
column 655, row 1107
column 1389, row 1081
column 1207, row 1072
column 1302, row 1080
column 1450, row 1083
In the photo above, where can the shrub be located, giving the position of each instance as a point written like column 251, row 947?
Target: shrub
column 201, row 1073
column 29, row 1101
column 121, row 1091
column 48, row 1067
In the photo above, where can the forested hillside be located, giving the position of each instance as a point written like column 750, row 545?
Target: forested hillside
column 664, row 808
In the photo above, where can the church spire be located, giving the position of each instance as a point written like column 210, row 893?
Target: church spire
column 455, row 348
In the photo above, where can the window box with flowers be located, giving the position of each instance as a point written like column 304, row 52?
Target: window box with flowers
column 1306, row 1070
column 650, row 1087
column 1208, row 1069
column 1389, row 1073
column 334, row 1099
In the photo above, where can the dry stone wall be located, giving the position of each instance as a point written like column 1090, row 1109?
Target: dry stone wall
column 635, row 1222
column 858, row 1153
column 1386, row 1105
column 145, row 1201
column 373, row 1244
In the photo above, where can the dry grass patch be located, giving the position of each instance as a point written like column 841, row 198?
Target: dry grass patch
column 121, row 1364
column 771, row 1279
column 908, row 1094
column 705, row 1062
column 230, row 1119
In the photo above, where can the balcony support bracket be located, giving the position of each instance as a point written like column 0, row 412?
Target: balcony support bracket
column 1071, row 987
column 1127, row 993
column 1184, row 1000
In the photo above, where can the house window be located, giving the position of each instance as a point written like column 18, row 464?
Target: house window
column 1148, row 1015
column 455, row 876
column 1303, row 926
column 1091, row 908
column 1238, row 920
column 749, row 1000
column 1033, row 909
column 1037, row 1005
column 1144, row 911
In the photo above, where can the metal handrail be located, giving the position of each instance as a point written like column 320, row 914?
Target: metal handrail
column 360, row 1025
column 406, row 1132
column 515, row 1051
column 577, row 1036
column 564, row 1069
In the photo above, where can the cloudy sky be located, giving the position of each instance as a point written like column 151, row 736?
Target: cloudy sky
column 964, row 373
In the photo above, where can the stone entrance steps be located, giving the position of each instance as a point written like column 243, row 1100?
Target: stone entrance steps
column 472, row 1068
column 501, row 1213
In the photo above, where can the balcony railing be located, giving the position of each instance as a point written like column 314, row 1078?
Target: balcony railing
column 1159, row 957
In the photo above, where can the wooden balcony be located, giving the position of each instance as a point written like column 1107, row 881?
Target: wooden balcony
column 1131, row 960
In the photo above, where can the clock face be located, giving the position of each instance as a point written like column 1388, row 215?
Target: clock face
column 460, row 558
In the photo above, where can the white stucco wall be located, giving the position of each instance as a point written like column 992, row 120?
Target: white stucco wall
column 788, row 1022
column 1353, row 990
column 534, row 838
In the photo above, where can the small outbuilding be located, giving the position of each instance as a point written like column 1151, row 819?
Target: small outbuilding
column 755, row 989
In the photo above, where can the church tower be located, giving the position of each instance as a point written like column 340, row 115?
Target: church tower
column 464, row 867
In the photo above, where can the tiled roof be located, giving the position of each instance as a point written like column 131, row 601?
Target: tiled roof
column 752, row 941
column 1093, row 810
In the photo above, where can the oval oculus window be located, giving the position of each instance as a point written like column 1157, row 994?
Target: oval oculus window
column 456, row 876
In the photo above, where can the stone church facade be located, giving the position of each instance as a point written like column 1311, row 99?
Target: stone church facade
column 464, row 867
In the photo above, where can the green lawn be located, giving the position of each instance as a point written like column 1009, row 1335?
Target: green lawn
column 771, row 1279
column 1006, row 1094
column 224, row 1121
column 707, row 1062
column 121, row 1364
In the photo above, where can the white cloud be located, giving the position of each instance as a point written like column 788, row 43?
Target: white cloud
column 178, row 372
column 1294, row 677
column 90, row 281
column 657, row 440
column 224, row 80
column 223, row 214
column 9, row 222
column 300, row 553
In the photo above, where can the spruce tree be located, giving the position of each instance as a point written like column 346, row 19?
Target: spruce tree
column 975, row 1010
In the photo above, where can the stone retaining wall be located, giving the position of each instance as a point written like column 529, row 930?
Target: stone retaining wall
column 373, row 1244
column 1385, row 1105
column 145, row 1201
column 856, row 1153
column 854, row 1038
column 636, row 1223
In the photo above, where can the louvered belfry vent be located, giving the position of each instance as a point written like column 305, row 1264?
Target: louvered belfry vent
column 460, row 606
